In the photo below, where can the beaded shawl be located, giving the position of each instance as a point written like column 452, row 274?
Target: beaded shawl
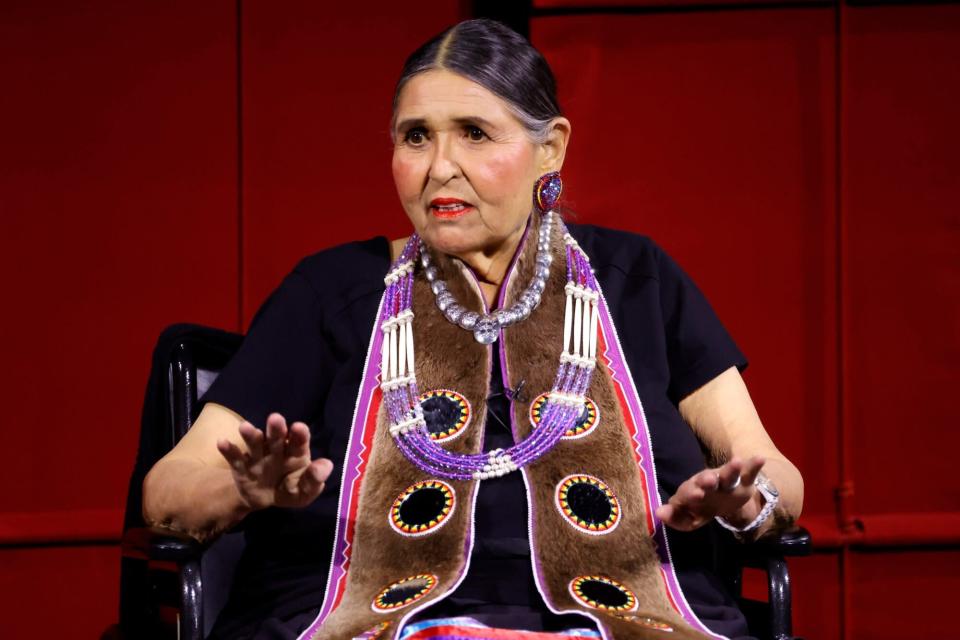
column 404, row 537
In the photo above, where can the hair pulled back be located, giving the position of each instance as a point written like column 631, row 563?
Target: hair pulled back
column 498, row 59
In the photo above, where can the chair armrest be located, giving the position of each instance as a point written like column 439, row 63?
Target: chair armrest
column 794, row 542
column 149, row 544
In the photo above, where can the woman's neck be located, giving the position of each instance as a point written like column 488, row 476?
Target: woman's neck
column 489, row 267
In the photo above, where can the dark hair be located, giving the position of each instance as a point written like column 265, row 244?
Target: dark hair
column 500, row 60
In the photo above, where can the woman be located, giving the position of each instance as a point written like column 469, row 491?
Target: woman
column 518, row 490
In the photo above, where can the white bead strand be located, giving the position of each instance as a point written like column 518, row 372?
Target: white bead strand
column 594, row 329
column 587, row 306
column 411, row 365
column 393, row 351
column 577, row 322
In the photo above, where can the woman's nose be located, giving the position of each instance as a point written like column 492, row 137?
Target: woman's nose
column 444, row 165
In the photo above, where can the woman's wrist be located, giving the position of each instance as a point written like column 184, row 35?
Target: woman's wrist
column 747, row 512
column 768, row 495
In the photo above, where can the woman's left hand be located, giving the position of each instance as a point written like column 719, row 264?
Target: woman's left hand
column 708, row 494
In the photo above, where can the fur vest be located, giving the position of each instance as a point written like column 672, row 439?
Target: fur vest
column 404, row 540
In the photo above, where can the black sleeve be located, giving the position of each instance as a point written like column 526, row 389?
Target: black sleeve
column 698, row 346
column 281, row 363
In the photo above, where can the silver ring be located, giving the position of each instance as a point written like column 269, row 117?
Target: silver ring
column 736, row 483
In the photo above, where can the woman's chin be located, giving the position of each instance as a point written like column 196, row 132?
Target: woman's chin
column 452, row 240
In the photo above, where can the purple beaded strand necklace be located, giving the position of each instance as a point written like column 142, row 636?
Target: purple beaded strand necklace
column 564, row 402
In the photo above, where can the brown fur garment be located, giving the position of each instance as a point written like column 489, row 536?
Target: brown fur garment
column 448, row 357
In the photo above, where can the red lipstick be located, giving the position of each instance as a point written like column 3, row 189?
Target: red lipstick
column 449, row 208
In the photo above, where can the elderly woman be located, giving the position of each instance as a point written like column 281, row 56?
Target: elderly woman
column 517, row 407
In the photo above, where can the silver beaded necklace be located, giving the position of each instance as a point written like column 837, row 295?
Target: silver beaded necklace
column 486, row 327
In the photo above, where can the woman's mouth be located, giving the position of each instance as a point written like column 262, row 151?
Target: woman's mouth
column 449, row 208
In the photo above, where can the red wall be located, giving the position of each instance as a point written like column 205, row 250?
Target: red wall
column 801, row 164
column 171, row 162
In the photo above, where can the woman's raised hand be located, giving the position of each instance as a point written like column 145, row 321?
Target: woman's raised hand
column 277, row 469
column 715, row 492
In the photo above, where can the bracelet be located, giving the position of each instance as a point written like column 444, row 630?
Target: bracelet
column 770, row 494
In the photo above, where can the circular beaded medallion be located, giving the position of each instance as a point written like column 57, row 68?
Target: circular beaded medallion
column 646, row 621
column 446, row 413
column 601, row 592
column 587, row 422
column 404, row 592
column 422, row 508
column 588, row 504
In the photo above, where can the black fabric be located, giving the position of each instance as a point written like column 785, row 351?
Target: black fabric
column 304, row 357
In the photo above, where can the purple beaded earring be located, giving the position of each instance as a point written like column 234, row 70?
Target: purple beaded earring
column 546, row 191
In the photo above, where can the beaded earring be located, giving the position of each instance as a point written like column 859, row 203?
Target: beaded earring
column 546, row 191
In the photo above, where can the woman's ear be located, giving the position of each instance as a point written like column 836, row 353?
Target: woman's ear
column 555, row 146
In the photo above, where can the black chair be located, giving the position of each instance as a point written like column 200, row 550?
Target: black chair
column 161, row 574
column 166, row 573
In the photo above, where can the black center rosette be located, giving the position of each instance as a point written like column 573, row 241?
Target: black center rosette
column 445, row 412
column 601, row 592
column 422, row 507
column 588, row 504
column 404, row 592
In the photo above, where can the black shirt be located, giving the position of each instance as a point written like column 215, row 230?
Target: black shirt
column 304, row 356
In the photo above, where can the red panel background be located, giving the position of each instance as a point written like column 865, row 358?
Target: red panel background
column 118, row 189
column 715, row 132
column 317, row 92
column 904, row 594
column 901, row 189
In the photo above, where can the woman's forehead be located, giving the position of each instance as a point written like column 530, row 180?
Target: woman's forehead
column 444, row 96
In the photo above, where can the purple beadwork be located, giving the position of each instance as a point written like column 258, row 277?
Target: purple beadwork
column 401, row 396
column 547, row 191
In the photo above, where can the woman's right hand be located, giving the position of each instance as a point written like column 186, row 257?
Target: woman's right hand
column 278, row 470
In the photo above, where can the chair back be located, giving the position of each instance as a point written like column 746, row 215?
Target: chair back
column 186, row 360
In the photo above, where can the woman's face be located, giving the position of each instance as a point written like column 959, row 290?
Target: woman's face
column 463, row 165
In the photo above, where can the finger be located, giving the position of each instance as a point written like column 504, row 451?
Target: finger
column 665, row 512
column 751, row 469
column 688, row 496
column 234, row 455
column 675, row 518
column 276, row 434
column 253, row 438
column 729, row 473
column 313, row 479
column 708, row 480
column 298, row 441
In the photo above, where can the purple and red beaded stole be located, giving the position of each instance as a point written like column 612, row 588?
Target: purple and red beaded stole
column 404, row 538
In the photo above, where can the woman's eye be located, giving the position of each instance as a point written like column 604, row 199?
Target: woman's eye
column 475, row 133
column 415, row 136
